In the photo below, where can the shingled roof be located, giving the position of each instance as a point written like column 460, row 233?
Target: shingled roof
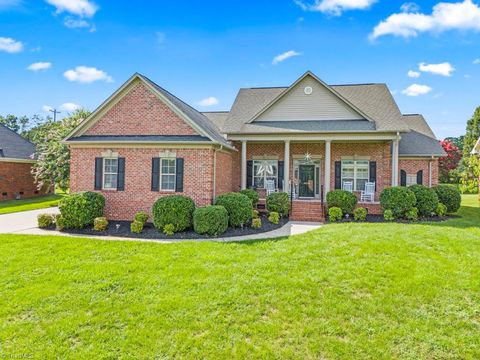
column 374, row 100
column 420, row 141
column 13, row 146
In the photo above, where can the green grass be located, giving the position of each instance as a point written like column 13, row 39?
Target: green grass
column 41, row 202
column 345, row 291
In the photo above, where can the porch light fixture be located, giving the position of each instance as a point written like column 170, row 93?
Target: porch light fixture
column 308, row 156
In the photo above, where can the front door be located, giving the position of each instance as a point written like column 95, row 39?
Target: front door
column 306, row 186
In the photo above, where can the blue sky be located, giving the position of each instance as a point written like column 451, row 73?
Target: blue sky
column 63, row 53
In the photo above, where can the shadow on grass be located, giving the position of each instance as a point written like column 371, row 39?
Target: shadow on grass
column 255, row 241
column 467, row 217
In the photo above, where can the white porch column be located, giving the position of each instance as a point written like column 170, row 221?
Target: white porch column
column 395, row 162
column 328, row 163
column 286, row 166
column 244, row 165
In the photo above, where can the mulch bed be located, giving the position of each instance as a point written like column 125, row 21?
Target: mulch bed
column 380, row 219
column 122, row 229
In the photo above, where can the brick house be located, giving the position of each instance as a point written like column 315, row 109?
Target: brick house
column 306, row 139
column 16, row 159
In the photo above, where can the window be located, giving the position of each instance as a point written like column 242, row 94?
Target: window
column 110, row 173
column 167, row 174
column 264, row 170
column 356, row 171
column 411, row 179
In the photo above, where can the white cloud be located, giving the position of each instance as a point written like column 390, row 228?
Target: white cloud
column 413, row 74
column 69, row 107
column 444, row 69
column 416, row 90
column 335, row 7
column 210, row 101
column 476, row 61
column 410, row 7
column 39, row 66
column 282, row 57
column 72, row 23
column 84, row 74
column 47, row 108
column 9, row 45
column 463, row 15
column 82, row 8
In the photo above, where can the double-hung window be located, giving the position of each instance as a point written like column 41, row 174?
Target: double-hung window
column 110, row 173
column 411, row 179
column 264, row 170
column 167, row 174
column 356, row 171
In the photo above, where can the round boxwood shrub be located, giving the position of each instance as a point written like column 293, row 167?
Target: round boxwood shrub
column 360, row 214
column 173, row 209
column 45, row 220
column 399, row 199
column 274, row 217
column 141, row 216
column 441, row 210
column 252, row 195
column 100, row 224
column 342, row 199
column 238, row 206
column 388, row 215
column 449, row 196
column 79, row 210
column 211, row 220
column 427, row 199
column 335, row 214
column 278, row 202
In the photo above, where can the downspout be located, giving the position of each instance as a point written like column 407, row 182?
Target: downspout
column 430, row 172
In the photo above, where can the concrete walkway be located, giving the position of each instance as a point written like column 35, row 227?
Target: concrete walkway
column 26, row 223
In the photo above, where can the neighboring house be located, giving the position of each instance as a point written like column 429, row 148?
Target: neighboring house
column 16, row 159
column 144, row 142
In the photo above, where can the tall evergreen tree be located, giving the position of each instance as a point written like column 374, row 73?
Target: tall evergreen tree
column 471, row 163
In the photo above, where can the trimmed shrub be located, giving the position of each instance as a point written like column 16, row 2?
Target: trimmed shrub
column 449, row 196
column 169, row 229
column 388, row 215
column 278, row 202
column 173, row 209
column 238, row 206
column 79, row 210
column 255, row 214
column 211, row 220
column 342, row 199
column 399, row 199
column 274, row 217
column 136, row 227
column 441, row 210
column 412, row 214
column 252, row 195
column 100, row 224
column 59, row 222
column 335, row 214
column 360, row 214
column 45, row 220
column 257, row 223
column 427, row 199
column 141, row 216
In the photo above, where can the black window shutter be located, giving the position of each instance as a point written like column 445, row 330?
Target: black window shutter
column 179, row 177
column 403, row 178
column 98, row 173
column 249, row 173
column 420, row 177
column 281, row 167
column 338, row 174
column 155, row 174
column 373, row 172
column 121, row 174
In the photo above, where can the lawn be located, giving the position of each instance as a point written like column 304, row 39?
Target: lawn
column 362, row 291
column 41, row 202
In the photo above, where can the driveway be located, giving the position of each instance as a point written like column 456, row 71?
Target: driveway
column 24, row 222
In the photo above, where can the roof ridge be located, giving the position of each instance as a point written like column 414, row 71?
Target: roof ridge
column 359, row 84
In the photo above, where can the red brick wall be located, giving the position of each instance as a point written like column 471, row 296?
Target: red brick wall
column 140, row 112
column 412, row 166
column 224, row 172
column 137, row 196
column 16, row 178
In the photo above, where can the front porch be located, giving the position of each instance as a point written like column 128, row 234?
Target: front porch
column 308, row 170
